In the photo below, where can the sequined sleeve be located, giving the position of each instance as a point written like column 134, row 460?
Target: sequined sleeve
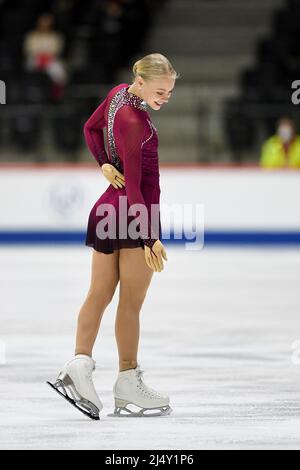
column 93, row 133
column 129, row 130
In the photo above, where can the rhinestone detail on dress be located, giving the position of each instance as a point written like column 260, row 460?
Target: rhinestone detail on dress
column 136, row 101
column 121, row 98
column 151, row 128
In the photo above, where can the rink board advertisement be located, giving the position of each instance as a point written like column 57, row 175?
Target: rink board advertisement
column 51, row 204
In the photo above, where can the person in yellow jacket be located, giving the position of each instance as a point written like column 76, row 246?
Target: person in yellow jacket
column 282, row 150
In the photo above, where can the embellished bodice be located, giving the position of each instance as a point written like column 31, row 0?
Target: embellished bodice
column 149, row 143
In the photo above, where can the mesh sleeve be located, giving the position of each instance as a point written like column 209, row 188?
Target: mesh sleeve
column 130, row 132
column 94, row 136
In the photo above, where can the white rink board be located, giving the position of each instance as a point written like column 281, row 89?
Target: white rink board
column 233, row 199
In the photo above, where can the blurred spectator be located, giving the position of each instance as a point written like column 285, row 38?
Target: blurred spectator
column 43, row 47
column 283, row 149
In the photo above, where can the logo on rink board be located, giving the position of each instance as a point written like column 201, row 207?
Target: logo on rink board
column 2, row 92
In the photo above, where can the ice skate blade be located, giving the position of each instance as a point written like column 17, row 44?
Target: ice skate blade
column 70, row 400
column 120, row 406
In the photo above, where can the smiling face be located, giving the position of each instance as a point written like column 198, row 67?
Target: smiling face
column 156, row 92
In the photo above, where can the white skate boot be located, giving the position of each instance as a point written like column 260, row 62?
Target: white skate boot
column 76, row 378
column 129, row 389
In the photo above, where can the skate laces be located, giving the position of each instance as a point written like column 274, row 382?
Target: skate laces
column 150, row 392
column 139, row 373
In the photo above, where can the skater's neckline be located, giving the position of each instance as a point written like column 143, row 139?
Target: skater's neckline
column 134, row 99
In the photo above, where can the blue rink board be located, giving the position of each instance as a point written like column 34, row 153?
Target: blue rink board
column 235, row 237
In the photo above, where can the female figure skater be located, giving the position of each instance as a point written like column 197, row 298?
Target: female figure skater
column 131, row 166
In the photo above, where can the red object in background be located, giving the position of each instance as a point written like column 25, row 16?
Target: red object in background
column 43, row 60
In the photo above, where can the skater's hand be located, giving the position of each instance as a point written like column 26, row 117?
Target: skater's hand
column 113, row 175
column 154, row 257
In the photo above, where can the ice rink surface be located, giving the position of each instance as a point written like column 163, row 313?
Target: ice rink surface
column 217, row 328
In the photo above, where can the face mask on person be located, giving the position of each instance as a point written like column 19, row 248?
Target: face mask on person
column 285, row 133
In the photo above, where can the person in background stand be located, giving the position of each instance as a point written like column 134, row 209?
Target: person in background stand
column 282, row 150
column 43, row 47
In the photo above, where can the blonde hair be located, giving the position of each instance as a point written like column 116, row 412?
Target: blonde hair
column 154, row 66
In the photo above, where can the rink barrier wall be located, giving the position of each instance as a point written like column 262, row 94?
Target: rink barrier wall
column 50, row 203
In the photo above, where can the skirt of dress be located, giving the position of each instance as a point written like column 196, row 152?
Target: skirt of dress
column 111, row 196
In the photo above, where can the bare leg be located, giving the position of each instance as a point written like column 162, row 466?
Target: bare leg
column 135, row 278
column 104, row 280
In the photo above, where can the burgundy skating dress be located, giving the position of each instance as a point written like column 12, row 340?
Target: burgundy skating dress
column 132, row 148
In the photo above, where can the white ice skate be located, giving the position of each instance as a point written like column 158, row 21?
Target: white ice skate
column 129, row 389
column 75, row 384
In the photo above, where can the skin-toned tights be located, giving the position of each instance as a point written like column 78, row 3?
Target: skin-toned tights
column 129, row 267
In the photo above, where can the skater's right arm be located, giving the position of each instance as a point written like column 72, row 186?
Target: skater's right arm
column 95, row 141
column 93, row 133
